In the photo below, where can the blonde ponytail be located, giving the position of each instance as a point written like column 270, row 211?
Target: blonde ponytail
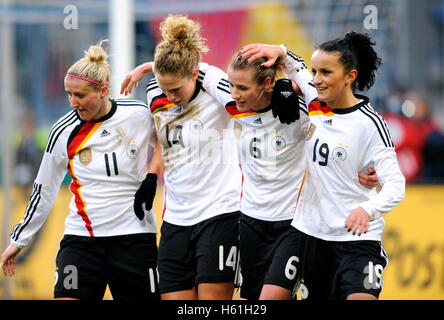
column 93, row 66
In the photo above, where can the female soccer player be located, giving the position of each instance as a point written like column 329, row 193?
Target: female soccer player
column 271, row 154
column 272, row 159
column 199, row 234
column 101, row 145
column 338, row 223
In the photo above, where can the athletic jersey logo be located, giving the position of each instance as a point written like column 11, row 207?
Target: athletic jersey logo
column 257, row 121
column 339, row 154
column 286, row 94
column 196, row 126
column 328, row 121
column 131, row 151
column 85, row 156
column 176, row 110
column 278, row 143
column 104, row 133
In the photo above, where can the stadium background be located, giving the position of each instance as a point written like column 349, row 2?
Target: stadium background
column 37, row 46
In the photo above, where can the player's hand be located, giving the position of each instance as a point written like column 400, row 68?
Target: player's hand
column 285, row 102
column 145, row 195
column 259, row 50
column 8, row 260
column 357, row 221
column 369, row 180
column 133, row 78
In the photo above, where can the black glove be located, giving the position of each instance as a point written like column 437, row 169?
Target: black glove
column 285, row 102
column 145, row 194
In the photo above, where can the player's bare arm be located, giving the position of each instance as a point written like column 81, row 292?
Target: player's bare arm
column 259, row 50
column 156, row 165
column 133, row 78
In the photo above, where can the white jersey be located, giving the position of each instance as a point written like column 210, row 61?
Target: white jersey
column 107, row 160
column 202, row 173
column 272, row 154
column 341, row 143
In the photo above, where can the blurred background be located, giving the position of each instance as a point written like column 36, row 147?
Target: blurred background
column 39, row 40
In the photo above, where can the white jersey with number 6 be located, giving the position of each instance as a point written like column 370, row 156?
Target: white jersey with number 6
column 272, row 154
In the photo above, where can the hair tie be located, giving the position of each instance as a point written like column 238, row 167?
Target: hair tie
column 78, row 77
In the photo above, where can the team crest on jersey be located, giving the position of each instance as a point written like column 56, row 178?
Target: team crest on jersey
column 310, row 132
column 196, row 126
column 132, row 150
column 85, row 156
column 340, row 153
column 278, row 143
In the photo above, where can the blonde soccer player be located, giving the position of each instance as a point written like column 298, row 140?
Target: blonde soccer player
column 202, row 192
column 109, row 237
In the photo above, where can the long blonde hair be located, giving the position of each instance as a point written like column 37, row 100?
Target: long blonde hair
column 93, row 66
column 180, row 51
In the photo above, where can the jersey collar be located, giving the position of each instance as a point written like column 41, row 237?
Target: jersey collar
column 364, row 101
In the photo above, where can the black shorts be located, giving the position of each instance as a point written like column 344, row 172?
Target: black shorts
column 202, row 253
column 332, row 270
column 127, row 264
column 285, row 269
column 258, row 241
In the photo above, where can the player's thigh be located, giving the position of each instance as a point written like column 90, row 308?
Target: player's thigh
column 80, row 268
column 132, row 267
column 258, row 241
column 176, row 262
column 216, row 291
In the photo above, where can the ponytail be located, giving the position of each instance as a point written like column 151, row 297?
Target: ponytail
column 93, row 67
column 356, row 52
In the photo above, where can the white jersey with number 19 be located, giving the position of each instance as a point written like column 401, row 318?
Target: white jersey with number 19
column 339, row 144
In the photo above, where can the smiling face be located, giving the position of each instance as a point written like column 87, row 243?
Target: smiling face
column 331, row 80
column 179, row 90
column 90, row 104
column 247, row 93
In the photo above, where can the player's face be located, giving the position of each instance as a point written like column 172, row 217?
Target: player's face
column 245, row 90
column 89, row 103
column 178, row 90
column 329, row 76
